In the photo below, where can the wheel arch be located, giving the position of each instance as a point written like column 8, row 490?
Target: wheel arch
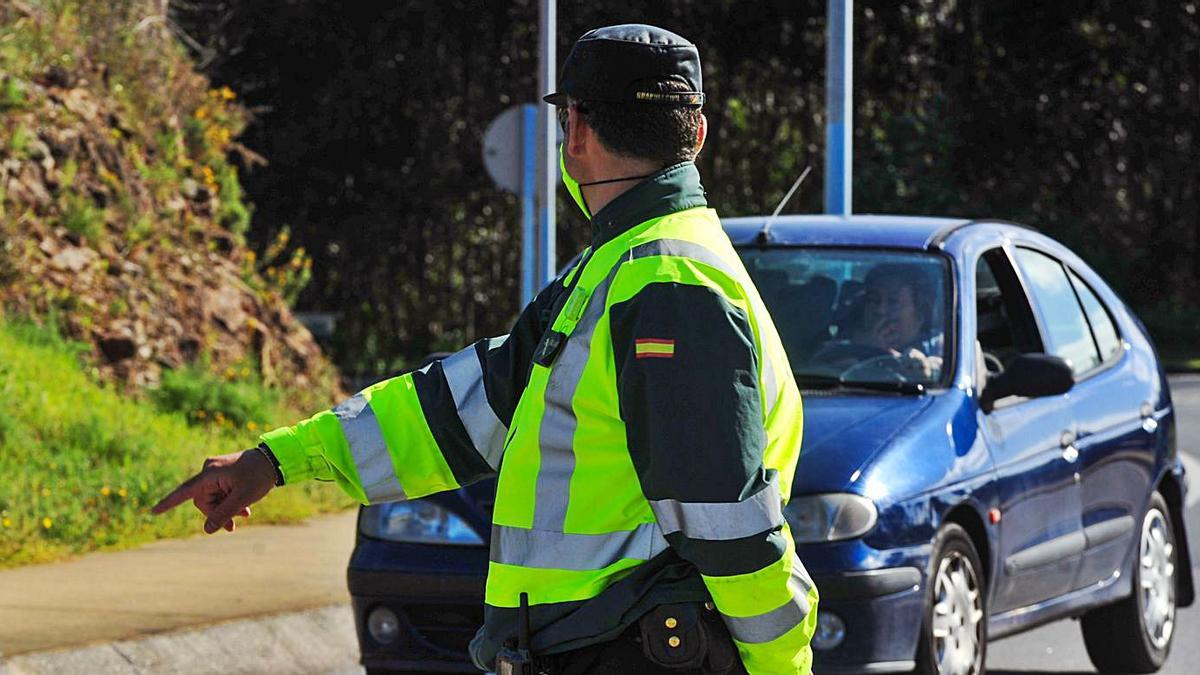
column 1172, row 491
column 965, row 516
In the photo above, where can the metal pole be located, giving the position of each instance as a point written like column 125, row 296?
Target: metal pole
column 529, row 230
column 547, row 175
column 839, row 107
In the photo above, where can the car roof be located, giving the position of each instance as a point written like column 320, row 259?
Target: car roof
column 915, row 232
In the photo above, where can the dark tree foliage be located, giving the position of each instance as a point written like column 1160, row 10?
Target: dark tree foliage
column 1080, row 118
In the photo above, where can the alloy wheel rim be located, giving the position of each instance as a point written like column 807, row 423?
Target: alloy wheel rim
column 1157, row 579
column 957, row 620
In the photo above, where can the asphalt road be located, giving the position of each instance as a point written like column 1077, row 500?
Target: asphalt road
column 1058, row 647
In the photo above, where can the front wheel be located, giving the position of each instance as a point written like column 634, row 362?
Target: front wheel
column 1134, row 634
column 954, row 629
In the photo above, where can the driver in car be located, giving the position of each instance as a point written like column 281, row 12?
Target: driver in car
column 897, row 320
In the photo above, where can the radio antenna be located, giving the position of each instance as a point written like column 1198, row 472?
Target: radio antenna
column 764, row 235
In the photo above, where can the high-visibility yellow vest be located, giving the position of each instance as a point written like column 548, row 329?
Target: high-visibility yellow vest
column 646, row 429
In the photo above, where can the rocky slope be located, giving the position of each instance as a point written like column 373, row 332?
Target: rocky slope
column 121, row 216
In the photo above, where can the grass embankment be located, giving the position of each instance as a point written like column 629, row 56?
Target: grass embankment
column 81, row 464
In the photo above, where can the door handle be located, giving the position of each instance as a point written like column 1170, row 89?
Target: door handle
column 1149, row 424
column 1067, row 442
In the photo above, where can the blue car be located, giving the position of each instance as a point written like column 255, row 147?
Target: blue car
column 989, row 445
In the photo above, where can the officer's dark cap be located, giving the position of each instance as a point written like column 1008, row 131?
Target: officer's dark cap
column 619, row 64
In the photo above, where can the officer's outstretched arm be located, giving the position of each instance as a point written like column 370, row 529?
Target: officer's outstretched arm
column 434, row 429
column 688, row 382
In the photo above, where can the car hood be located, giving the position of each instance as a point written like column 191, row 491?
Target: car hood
column 842, row 433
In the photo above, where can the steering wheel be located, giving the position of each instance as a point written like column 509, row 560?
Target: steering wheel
column 894, row 366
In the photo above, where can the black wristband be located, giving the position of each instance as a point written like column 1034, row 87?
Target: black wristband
column 266, row 452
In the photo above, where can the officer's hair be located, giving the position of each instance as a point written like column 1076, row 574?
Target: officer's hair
column 661, row 133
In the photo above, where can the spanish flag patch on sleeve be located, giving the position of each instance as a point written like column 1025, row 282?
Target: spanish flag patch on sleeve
column 654, row 348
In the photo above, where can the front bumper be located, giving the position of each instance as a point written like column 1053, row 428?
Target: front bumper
column 882, row 611
column 437, row 594
column 433, row 637
column 437, row 597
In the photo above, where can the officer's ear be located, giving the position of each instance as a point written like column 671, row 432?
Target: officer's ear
column 701, row 133
column 579, row 133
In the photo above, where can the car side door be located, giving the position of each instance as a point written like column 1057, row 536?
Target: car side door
column 1037, row 493
column 1116, row 435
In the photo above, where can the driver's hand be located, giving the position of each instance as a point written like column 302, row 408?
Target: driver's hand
column 920, row 364
column 225, row 487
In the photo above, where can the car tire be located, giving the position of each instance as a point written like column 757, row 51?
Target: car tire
column 1134, row 635
column 953, row 638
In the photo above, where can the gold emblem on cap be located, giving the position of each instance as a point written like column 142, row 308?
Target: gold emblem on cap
column 673, row 640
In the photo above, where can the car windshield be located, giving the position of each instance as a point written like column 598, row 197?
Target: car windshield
column 854, row 317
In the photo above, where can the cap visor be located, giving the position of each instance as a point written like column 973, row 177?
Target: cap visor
column 556, row 99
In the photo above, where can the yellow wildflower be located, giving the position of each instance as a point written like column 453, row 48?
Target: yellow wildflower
column 7, row 522
column 45, row 492
column 251, row 425
column 250, row 256
column 202, row 112
column 227, row 94
column 47, row 523
column 105, row 491
column 122, row 493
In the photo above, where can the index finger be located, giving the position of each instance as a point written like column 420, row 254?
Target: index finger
column 185, row 491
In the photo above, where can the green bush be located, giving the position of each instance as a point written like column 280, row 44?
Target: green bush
column 82, row 216
column 203, row 397
column 12, row 94
column 82, row 464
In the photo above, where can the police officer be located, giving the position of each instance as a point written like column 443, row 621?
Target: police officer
column 641, row 414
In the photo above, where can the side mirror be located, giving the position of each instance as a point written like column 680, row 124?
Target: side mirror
column 1029, row 375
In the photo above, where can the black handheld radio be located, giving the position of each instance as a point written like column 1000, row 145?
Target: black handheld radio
column 518, row 660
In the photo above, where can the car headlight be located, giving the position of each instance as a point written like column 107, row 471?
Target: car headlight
column 418, row 522
column 829, row 517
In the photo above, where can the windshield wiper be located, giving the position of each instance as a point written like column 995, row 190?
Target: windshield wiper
column 822, row 381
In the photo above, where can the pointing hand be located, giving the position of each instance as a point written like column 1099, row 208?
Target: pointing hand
column 225, row 487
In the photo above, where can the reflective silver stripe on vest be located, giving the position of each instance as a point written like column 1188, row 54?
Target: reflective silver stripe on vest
column 686, row 249
column 556, row 435
column 715, row 521
column 464, row 374
column 770, row 385
column 541, row 549
column 369, row 450
column 773, row 624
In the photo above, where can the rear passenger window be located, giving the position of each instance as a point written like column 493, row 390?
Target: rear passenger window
column 1066, row 327
column 1101, row 321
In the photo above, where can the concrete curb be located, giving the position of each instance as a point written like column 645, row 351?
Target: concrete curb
column 313, row 641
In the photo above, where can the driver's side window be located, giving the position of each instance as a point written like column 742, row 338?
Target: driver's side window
column 1005, row 324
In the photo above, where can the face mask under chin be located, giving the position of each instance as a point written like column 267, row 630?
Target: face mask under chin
column 572, row 185
column 576, row 188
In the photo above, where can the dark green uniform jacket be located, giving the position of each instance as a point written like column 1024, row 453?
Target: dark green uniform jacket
column 645, row 426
